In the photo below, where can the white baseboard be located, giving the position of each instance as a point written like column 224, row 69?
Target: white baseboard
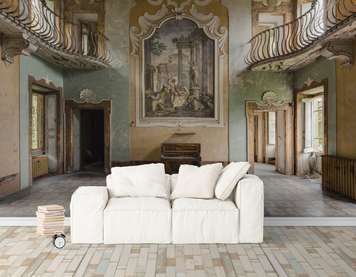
column 310, row 221
column 24, row 221
column 269, row 221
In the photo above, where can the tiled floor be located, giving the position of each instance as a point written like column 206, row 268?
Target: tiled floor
column 49, row 190
column 296, row 196
column 284, row 195
column 293, row 251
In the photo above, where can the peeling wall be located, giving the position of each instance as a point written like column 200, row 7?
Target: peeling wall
column 110, row 84
column 346, row 108
column 114, row 84
column 9, row 126
column 39, row 69
column 250, row 87
column 320, row 70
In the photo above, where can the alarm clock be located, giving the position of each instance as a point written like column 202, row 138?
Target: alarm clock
column 59, row 241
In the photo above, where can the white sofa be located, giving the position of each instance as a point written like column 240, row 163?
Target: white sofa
column 98, row 218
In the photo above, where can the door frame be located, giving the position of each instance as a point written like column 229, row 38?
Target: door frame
column 252, row 108
column 298, row 94
column 58, row 92
column 70, row 106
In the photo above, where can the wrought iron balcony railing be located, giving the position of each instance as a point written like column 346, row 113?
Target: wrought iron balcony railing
column 57, row 33
column 323, row 19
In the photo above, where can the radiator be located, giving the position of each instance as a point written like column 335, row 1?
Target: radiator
column 39, row 166
column 339, row 176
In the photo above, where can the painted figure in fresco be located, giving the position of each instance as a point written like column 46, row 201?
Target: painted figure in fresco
column 160, row 101
column 179, row 69
column 194, row 75
column 179, row 95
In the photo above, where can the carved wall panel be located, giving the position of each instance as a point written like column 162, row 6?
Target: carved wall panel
column 174, row 67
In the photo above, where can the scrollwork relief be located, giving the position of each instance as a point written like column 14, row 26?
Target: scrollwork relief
column 169, row 8
column 178, row 56
column 12, row 47
column 270, row 99
column 88, row 96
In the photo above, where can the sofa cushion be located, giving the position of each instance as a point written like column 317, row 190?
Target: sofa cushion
column 87, row 214
column 174, row 179
column 229, row 177
column 138, row 181
column 196, row 182
column 137, row 220
column 204, row 221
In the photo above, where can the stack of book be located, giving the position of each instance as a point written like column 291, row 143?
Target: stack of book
column 50, row 219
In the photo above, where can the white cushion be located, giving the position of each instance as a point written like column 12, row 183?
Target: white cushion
column 249, row 198
column 137, row 220
column 174, row 179
column 229, row 178
column 196, row 182
column 204, row 221
column 143, row 180
column 87, row 214
column 168, row 184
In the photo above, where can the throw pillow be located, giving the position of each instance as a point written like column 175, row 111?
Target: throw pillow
column 196, row 182
column 229, row 178
column 143, row 180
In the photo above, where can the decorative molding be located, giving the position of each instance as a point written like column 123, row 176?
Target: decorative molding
column 88, row 96
column 12, row 47
column 148, row 23
column 270, row 99
column 339, row 49
column 144, row 24
column 181, row 5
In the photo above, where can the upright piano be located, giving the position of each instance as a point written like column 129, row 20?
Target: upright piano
column 175, row 154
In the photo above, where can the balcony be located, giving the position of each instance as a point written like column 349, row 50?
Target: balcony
column 30, row 26
column 325, row 30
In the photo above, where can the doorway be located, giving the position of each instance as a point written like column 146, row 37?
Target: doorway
column 270, row 136
column 265, row 137
column 92, row 140
column 88, row 136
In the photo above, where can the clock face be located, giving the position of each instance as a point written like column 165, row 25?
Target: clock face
column 59, row 242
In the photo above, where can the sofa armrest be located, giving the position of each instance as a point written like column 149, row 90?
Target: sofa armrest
column 249, row 198
column 87, row 214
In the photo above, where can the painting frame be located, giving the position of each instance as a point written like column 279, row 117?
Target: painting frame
column 212, row 28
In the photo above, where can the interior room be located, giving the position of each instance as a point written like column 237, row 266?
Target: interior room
column 177, row 138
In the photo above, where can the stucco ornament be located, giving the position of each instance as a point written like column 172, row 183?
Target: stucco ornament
column 271, row 99
column 88, row 96
column 272, row 3
column 12, row 47
column 148, row 23
column 175, row 83
column 181, row 5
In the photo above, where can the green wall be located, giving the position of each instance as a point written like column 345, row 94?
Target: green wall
column 114, row 83
column 250, row 87
column 320, row 70
column 39, row 69
column 110, row 84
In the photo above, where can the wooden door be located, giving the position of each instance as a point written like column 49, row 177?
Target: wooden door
column 281, row 142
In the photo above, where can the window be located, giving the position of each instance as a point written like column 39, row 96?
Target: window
column 38, row 122
column 314, row 124
column 85, row 38
column 271, row 128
